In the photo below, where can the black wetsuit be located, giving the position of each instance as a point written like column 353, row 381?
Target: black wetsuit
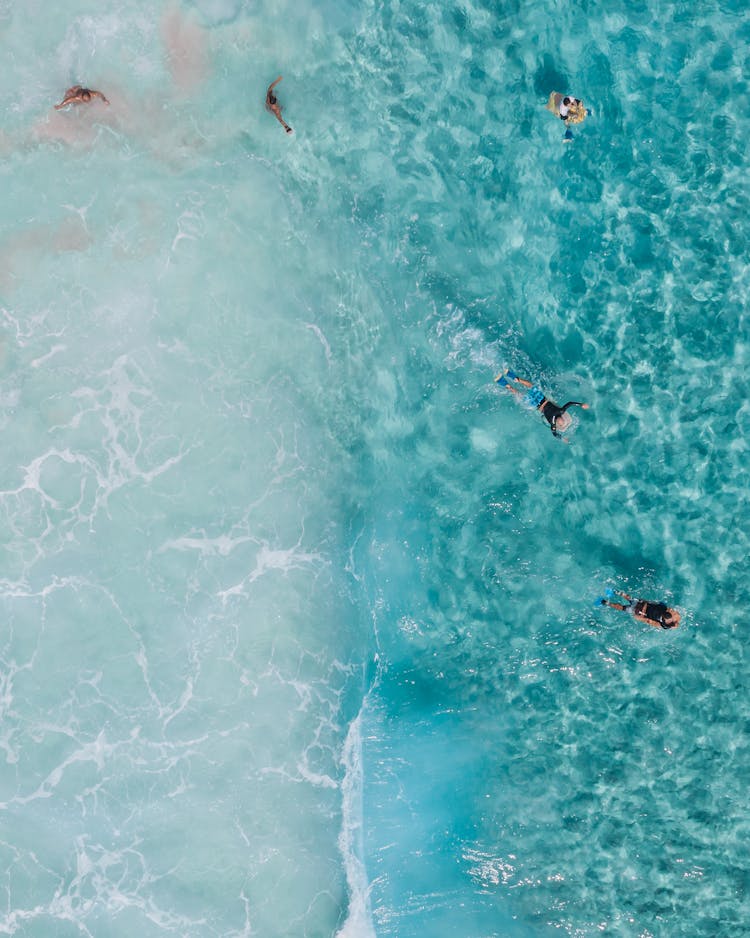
column 655, row 611
column 551, row 412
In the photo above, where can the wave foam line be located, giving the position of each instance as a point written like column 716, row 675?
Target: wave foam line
column 358, row 922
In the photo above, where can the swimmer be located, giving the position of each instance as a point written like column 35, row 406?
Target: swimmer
column 567, row 107
column 79, row 95
column 656, row 614
column 557, row 417
column 272, row 105
column 570, row 110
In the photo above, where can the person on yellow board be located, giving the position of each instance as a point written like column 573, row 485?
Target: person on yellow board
column 570, row 110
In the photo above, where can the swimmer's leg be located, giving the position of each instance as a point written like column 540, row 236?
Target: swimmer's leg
column 504, row 383
column 568, row 136
column 502, row 380
column 601, row 601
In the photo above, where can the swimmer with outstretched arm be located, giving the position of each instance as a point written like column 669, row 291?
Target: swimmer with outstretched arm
column 79, row 95
column 272, row 105
column 557, row 417
column 656, row 614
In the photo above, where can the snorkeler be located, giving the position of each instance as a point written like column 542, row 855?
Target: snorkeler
column 272, row 105
column 557, row 417
column 656, row 614
column 79, row 95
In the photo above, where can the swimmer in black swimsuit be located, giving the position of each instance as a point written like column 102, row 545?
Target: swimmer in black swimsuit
column 272, row 105
column 79, row 95
column 656, row 614
column 557, row 417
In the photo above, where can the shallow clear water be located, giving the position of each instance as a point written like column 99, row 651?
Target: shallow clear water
column 298, row 627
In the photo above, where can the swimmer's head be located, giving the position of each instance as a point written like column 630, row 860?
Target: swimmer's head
column 671, row 619
column 86, row 95
column 563, row 422
column 567, row 100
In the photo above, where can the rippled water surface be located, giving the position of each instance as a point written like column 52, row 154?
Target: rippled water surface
column 299, row 635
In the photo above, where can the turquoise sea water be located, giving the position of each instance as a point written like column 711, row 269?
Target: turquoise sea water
column 298, row 635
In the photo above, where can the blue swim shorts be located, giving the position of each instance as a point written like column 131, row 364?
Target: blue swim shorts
column 533, row 397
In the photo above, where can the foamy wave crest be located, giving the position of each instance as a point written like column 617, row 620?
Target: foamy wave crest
column 358, row 923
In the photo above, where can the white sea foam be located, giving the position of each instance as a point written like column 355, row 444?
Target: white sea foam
column 359, row 922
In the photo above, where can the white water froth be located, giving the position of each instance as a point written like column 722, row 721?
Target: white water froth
column 358, row 923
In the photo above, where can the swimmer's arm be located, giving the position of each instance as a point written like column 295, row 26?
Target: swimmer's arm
column 98, row 94
column 575, row 404
column 66, row 101
column 273, row 84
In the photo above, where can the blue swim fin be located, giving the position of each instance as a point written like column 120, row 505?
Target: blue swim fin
column 609, row 593
column 600, row 601
column 500, row 379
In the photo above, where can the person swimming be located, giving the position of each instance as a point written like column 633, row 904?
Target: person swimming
column 557, row 417
column 79, row 95
column 570, row 110
column 658, row 615
column 272, row 105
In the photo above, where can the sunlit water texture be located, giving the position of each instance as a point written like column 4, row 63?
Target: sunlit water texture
column 298, row 624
